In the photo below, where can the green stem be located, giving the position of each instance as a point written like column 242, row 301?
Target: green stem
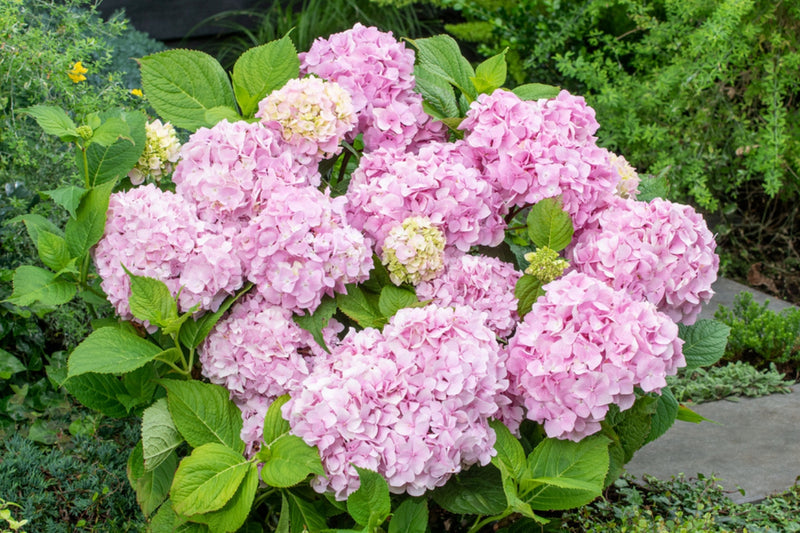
column 175, row 368
column 488, row 520
column 85, row 167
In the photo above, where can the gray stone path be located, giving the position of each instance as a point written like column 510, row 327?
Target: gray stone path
column 754, row 446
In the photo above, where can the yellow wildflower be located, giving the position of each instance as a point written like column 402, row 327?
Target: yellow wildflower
column 137, row 92
column 77, row 72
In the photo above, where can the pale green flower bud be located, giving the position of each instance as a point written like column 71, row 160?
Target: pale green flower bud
column 85, row 132
column 161, row 151
column 413, row 251
column 545, row 264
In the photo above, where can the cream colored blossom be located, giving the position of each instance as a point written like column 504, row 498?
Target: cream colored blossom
column 161, row 151
column 413, row 251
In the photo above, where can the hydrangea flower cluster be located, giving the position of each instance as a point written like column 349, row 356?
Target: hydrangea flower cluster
column 438, row 183
column 530, row 151
column 228, row 171
column 161, row 152
column 585, row 346
column 628, row 186
column 480, row 282
column 659, row 251
column 411, row 402
column 157, row 234
column 378, row 72
column 300, row 248
column 311, row 114
column 545, row 264
column 413, row 251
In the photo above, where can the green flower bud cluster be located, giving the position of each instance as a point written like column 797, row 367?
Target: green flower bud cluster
column 161, row 151
column 545, row 264
column 413, row 251
column 85, row 132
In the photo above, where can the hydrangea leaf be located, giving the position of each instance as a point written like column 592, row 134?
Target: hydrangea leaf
column 183, row 84
column 411, row 516
column 204, row 413
column 261, row 70
column 110, row 131
column 151, row 300
column 704, row 342
column 392, row 299
column 549, row 225
column 100, row 392
column 274, row 423
column 35, row 224
column 633, row 425
column 193, row 332
column 86, row 229
column 68, row 197
column 207, row 479
column 527, row 291
column 160, row 437
column 37, row 285
column 509, row 450
column 536, row 91
column 474, row 491
column 491, row 74
column 565, row 474
column 358, row 307
column 111, row 351
column 370, row 504
column 234, row 513
column 305, row 515
column 53, row 121
column 687, row 415
column 151, row 487
column 315, row 322
column 53, row 250
column 290, row 461
column 113, row 162
column 665, row 415
column 440, row 55
column 440, row 100
column 166, row 520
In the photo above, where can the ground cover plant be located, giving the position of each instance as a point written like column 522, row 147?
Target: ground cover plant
column 297, row 304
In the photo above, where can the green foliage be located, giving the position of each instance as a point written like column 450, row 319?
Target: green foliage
column 733, row 379
column 77, row 486
column 759, row 335
column 702, row 90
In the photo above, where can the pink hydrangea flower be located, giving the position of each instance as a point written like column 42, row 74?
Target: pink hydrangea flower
column 584, row 346
column 228, row 170
column 411, row 403
column 438, row 183
column 378, row 72
column 312, row 116
column 157, row 234
column 659, row 251
column 300, row 248
column 483, row 283
column 530, row 151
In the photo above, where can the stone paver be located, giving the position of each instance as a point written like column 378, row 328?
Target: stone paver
column 754, row 445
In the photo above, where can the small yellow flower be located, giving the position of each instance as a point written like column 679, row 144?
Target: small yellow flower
column 137, row 92
column 77, row 72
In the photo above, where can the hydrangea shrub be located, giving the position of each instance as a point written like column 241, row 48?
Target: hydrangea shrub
column 326, row 309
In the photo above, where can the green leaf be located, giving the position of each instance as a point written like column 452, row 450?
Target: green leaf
column 491, row 74
column 370, row 504
column 574, row 473
column 315, row 322
column 160, row 437
column 100, row 392
column 220, row 113
column 411, row 516
column 36, row 224
column 274, row 423
column 527, row 291
column 440, row 55
column 233, row 514
column 392, row 299
column 52, row 250
column 358, row 307
column 151, row 487
column 664, row 417
column 33, row 284
column 291, row 461
column 687, row 415
column 633, row 425
column 111, row 351
column 193, row 332
column 112, row 163
column 141, row 384
column 549, row 225
column 151, row 300
column 166, row 520
column 261, row 70
column 653, row 186
column 437, row 93
column 509, row 450
column 207, row 479
column 478, row 490
column 183, row 84
column 113, row 129
column 83, row 231
column 536, row 91
column 305, row 515
column 704, row 342
column 9, row 365
column 68, row 197
column 53, row 120
column 204, row 413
